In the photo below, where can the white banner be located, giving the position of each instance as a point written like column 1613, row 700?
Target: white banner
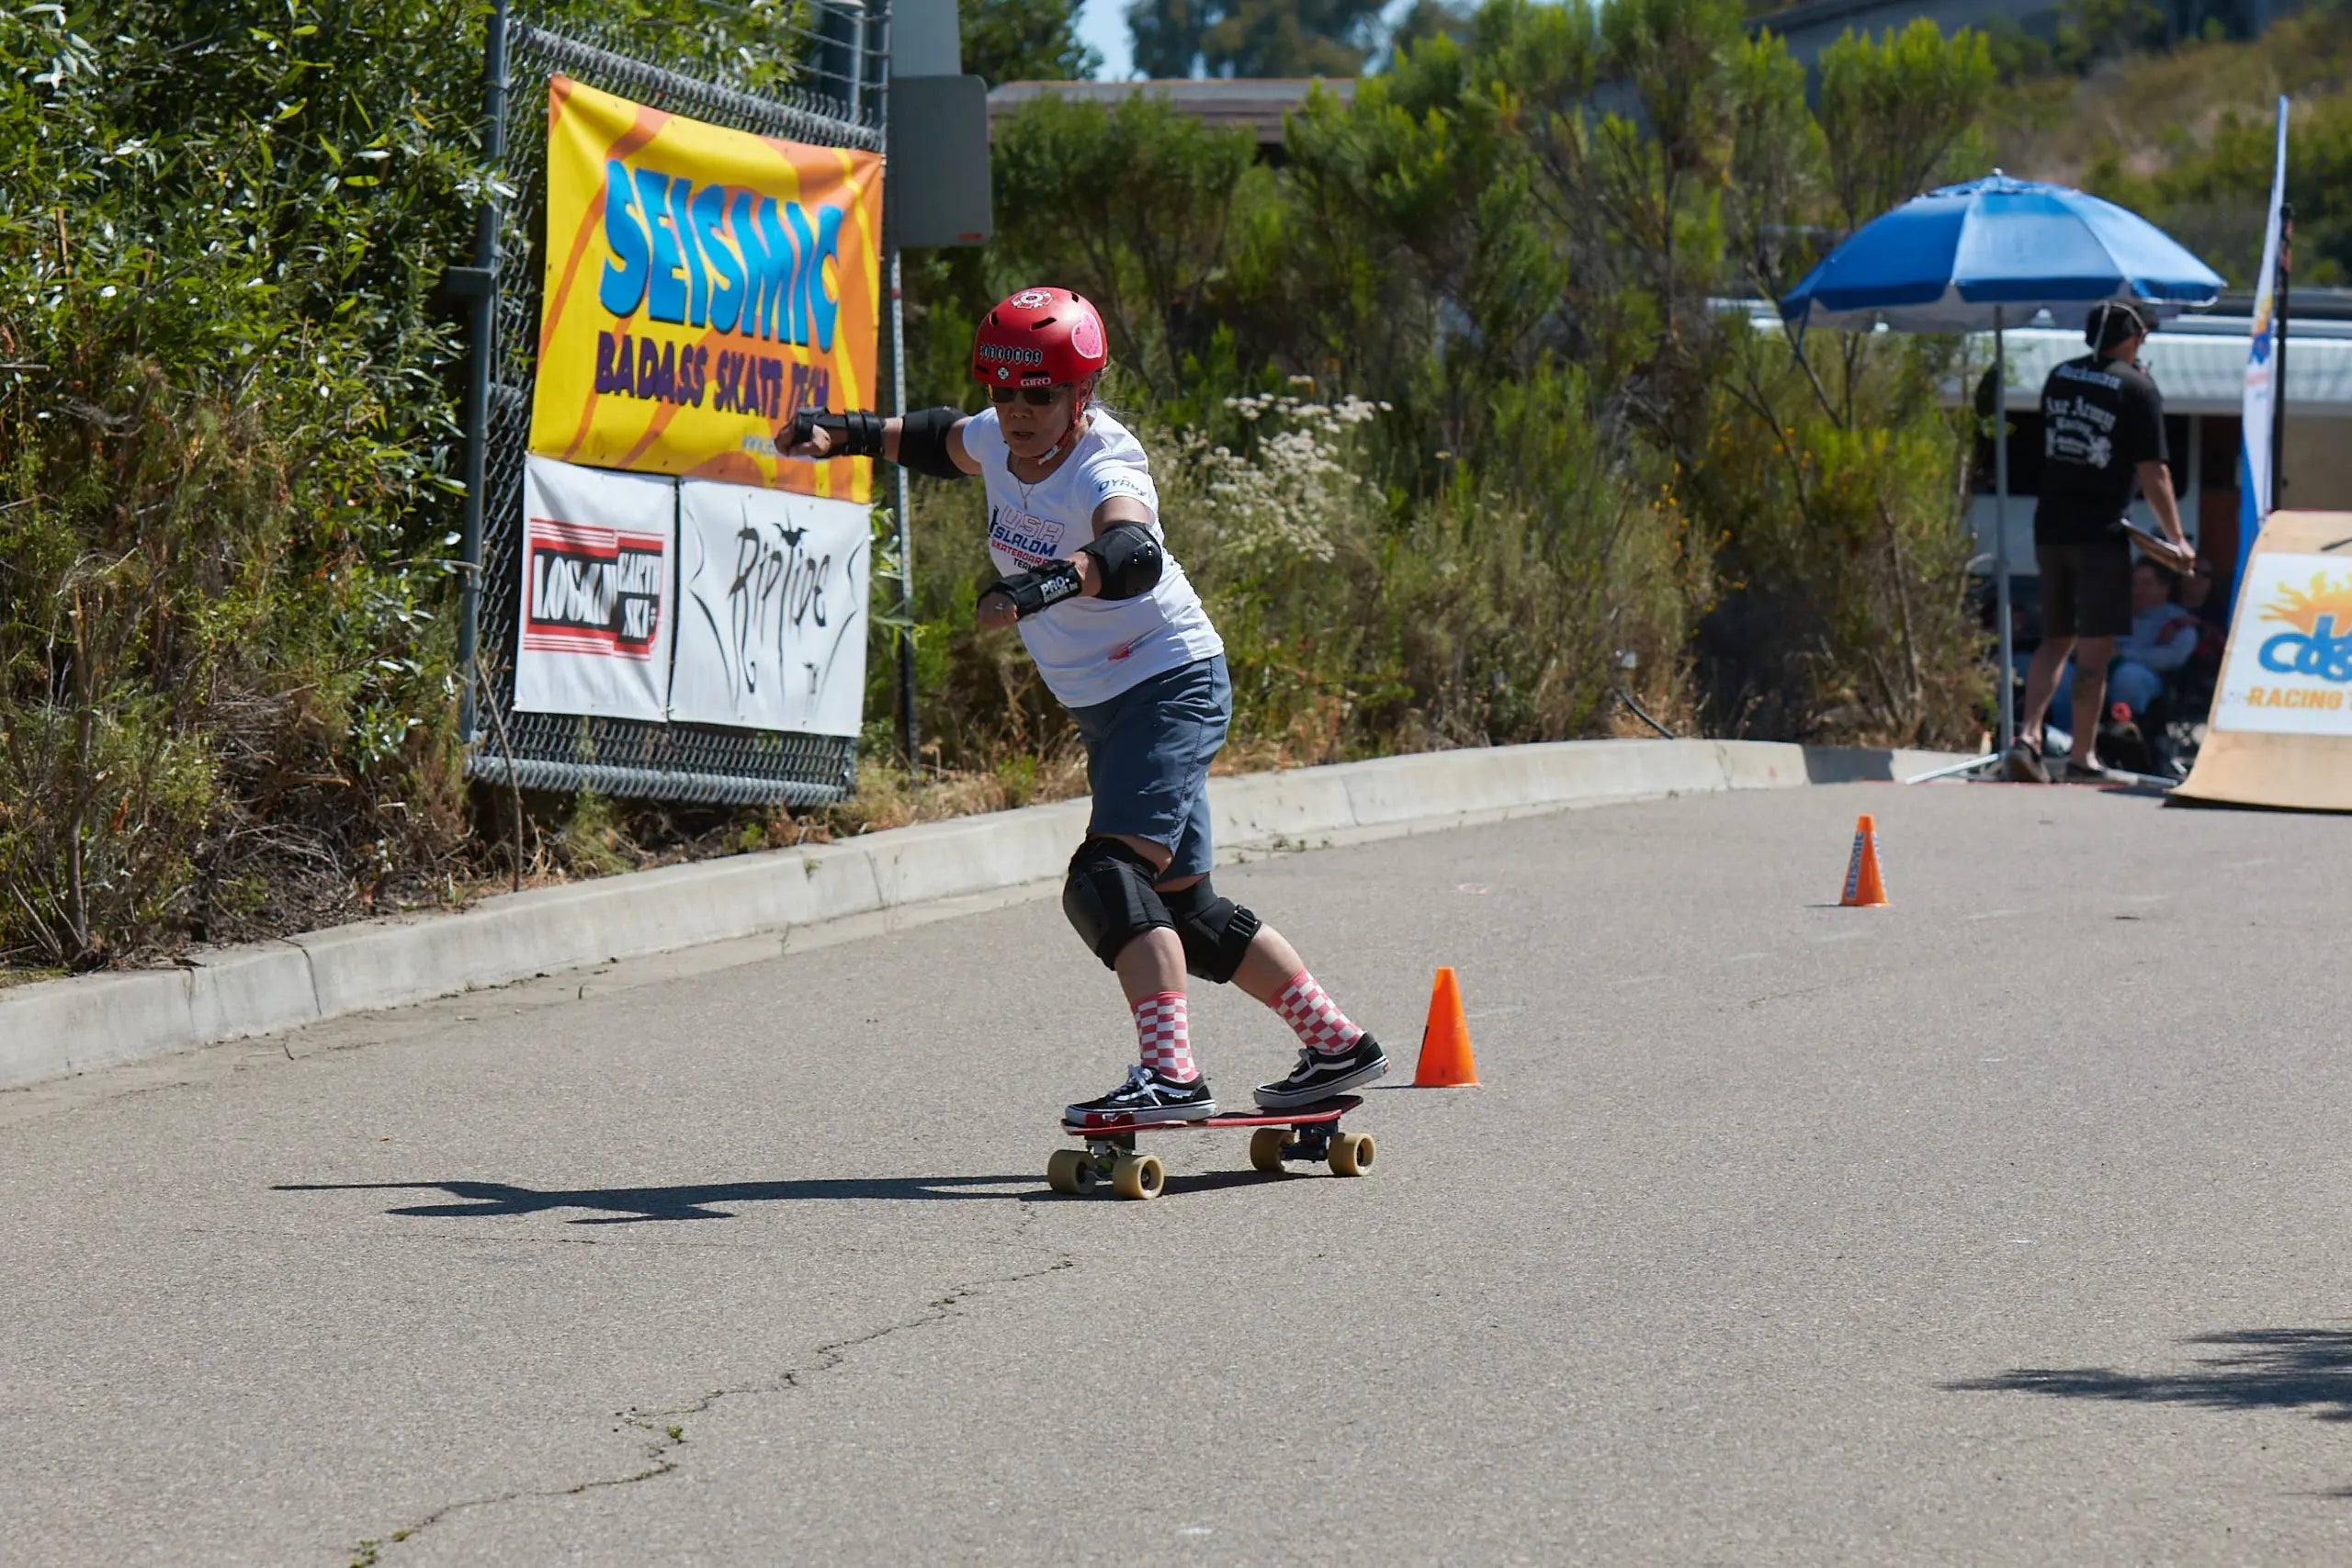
column 772, row 591
column 2290, row 670
column 2259, row 404
column 596, row 592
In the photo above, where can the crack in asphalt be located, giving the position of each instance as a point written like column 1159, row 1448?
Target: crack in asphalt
column 664, row 1428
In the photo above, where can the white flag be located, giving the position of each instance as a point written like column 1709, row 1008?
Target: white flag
column 2255, row 478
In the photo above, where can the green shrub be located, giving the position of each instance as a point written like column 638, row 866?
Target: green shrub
column 227, row 398
column 1448, row 419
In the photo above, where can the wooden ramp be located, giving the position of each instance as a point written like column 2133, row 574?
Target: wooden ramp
column 2280, row 732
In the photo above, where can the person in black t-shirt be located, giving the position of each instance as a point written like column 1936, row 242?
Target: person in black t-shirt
column 2103, row 424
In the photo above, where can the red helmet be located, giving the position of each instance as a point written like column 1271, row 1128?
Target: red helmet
column 1040, row 337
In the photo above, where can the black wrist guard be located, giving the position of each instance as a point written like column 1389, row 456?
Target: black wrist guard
column 1130, row 559
column 1034, row 590
column 923, row 443
column 856, row 434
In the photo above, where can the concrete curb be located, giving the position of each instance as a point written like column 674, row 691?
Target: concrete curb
column 60, row 1026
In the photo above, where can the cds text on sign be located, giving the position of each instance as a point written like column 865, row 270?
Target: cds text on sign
column 2289, row 669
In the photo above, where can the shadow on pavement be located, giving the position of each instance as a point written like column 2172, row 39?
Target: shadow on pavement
column 632, row 1205
column 2262, row 1369
column 628, row 1205
column 1849, row 764
column 1218, row 1181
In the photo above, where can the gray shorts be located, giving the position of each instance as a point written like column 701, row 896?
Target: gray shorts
column 1147, row 753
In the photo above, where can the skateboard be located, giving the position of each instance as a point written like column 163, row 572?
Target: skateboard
column 1305, row 1132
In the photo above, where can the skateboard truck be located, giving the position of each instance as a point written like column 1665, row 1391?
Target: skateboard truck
column 1309, row 1133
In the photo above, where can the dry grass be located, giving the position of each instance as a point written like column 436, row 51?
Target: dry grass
column 2144, row 110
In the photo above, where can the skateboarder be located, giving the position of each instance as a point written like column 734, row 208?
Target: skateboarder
column 1122, row 639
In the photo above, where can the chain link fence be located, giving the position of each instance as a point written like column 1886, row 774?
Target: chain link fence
column 824, row 86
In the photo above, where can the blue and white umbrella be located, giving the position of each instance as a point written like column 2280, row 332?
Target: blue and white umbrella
column 1981, row 255
column 1991, row 252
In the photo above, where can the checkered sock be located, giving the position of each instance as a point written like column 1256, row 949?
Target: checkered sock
column 1163, row 1038
column 1316, row 1018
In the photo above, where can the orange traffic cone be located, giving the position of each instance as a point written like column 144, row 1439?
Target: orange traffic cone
column 1445, row 1041
column 1865, row 890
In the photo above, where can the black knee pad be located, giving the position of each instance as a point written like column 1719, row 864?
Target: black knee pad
column 1216, row 931
column 1109, row 898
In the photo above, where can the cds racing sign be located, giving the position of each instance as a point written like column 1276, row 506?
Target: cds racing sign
column 2289, row 669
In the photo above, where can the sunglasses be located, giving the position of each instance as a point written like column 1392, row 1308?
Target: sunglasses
column 1036, row 396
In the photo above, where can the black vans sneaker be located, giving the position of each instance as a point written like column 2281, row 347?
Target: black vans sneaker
column 1144, row 1097
column 1319, row 1075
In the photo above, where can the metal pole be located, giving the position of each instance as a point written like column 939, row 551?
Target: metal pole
column 857, row 61
column 1952, row 770
column 908, row 739
column 840, row 52
column 482, row 285
column 2192, row 516
column 2006, row 682
column 902, row 526
column 2279, row 359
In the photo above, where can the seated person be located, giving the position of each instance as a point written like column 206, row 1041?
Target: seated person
column 2212, row 613
column 2163, row 638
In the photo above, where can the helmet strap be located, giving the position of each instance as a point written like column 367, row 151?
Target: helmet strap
column 1080, row 397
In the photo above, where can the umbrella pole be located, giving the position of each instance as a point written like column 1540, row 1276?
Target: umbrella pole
column 2005, row 682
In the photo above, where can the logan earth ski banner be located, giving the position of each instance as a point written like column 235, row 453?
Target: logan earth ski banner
column 702, row 284
column 599, row 557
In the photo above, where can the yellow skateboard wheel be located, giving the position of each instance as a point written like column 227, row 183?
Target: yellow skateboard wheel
column 1136, row 1176
column 1069, row 1171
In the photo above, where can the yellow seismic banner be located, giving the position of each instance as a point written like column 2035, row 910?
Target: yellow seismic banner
column 702, row 284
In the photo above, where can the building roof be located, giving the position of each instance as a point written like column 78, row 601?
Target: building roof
column 1811, row 26
column 2199, row 372
column 2198, row 361
column 1255, row 104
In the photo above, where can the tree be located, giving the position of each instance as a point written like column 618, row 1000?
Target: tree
column 1129, row 207
column 1167, row 35
column 1253, row 38
column 1024, row 40
column 1427, row 19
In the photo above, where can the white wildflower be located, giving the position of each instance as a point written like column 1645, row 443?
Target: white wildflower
column 1292, row 498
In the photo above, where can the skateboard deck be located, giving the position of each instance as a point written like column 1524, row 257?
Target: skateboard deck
column 1314, row 1113
column 1309, row 1133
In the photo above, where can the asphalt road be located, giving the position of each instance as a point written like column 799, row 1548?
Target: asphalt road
column 2007, row 1224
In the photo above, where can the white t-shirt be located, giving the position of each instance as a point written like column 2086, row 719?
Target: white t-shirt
column 1088, row 649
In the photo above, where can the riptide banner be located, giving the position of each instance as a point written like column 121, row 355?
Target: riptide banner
column 598, row 586
column 702, row 285
column 772, row 596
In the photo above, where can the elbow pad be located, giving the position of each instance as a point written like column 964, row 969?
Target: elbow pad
column 1129, row 558
column 923, row 443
